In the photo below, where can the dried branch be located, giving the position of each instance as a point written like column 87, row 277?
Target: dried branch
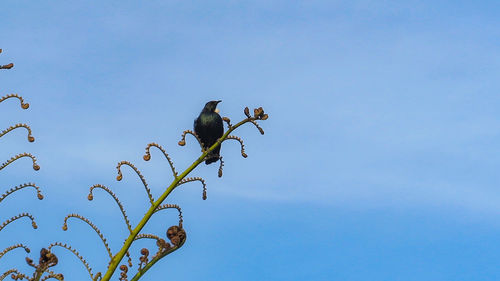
column 33, row 223
column 23, row 104
column 76, row 253
column 120, row 177
column 147, row 156
column 33, row 158
column 90, row 197
column 8, row 249
column 186, row 180
column 65, row 227
column 19, row 187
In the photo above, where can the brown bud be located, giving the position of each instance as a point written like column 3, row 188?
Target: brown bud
column 247, row 112
column 31, row 139
column 264, row 117
column 25, row 105
column 123, row 268
column 119, row 177
column 65, row 227
column 36, row 167
column 144, row 252
column 182, row 143
column 146, row 157
column 33, row 224
column 90, row 197
column 40, row 196
column 172, row 231
column 176, row 240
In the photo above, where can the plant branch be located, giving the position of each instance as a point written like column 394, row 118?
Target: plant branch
column 119, row 256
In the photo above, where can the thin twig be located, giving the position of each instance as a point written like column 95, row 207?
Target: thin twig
column 172, row 206
column 33, row 158
column 120, row 177
column 8, row 249
column 147, row 156
column 65, row 227
column 23, row 104
column 76, row 253
column 33, row 223
column 30, row 137
column 91, row 197
column 186, row 180
column 19, row 187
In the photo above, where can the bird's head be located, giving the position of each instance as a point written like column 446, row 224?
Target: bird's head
column 211, row 106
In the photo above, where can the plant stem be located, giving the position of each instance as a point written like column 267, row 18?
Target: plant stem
column 142, row 271
column 119, row 256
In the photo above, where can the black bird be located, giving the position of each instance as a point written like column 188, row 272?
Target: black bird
column 208, row 126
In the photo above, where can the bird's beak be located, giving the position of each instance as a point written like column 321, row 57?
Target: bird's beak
column 217, row 110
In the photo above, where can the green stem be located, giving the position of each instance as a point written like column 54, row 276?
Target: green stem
column 142, row 271
column 119, row 256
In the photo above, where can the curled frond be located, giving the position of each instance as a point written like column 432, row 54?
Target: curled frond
column 8, row 272
column 182, row 142
column 8, row 249
column 120, row 177
column 33, row 158
column 258, row 127
column 186, row 180
column 14, row 189
column 228, row 121
column 33, row 223
column 147, row 236
column 174, row 206
column 147, row 156
column 123, row 273
column 65, row 227
column 91, row 197
column 129, row 259
column 75, row 252
column 241, row 143
column 30, row 137
column 23, row 104
column 220, row 167
column 57, row 276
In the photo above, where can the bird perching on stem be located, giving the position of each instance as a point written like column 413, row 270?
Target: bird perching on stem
column 209, row 128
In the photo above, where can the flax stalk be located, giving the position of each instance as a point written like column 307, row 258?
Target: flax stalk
column 116, row 259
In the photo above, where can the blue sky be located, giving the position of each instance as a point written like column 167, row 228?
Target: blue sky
column 379, row 160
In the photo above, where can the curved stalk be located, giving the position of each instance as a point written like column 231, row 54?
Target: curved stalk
column 119, row 256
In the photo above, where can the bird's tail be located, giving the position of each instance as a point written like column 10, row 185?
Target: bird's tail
column 212, row 157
